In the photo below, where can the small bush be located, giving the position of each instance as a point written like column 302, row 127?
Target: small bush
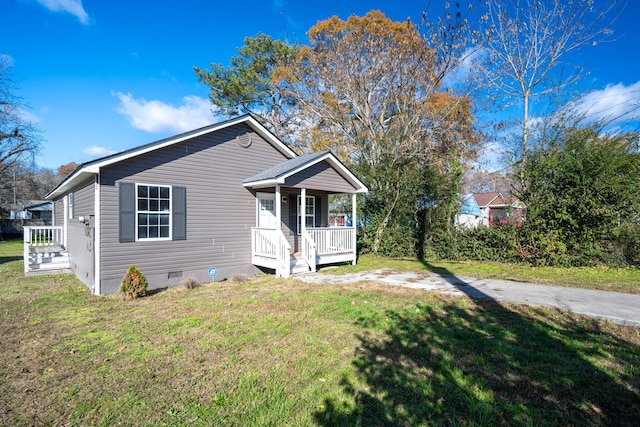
column 190, row 283
column 134, row 284
column 240, row 278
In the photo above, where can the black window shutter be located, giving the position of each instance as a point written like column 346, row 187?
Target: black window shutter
column 318, row 212
column 127, row 207
column 293, row 214
column 179, row 212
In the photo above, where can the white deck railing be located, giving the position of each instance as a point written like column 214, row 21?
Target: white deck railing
column 43, row 236
column 333, row 240
column 40, row 237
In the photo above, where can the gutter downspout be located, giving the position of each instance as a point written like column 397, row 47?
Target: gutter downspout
column 96, row 238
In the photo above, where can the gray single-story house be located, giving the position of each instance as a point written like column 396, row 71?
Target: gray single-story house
column 226, row 199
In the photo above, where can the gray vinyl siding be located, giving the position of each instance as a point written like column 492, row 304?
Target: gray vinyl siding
column 58, row 212
column 80, row 244
column 320, row 176
column 220, row 211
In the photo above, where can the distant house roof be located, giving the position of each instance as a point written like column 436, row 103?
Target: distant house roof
column 280, row 172
column 496, row 200
column 484, row 199
column 506, row 201
column 43, row 207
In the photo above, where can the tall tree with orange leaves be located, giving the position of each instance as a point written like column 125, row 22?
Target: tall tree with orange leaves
column 371, row 90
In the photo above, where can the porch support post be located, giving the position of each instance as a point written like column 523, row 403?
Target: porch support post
column 303, row 211
column 278, row 209
column 65, row 220
column 353, row 223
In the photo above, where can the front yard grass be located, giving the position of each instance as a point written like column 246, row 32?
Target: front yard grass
column 280, row 352
column 626, row 280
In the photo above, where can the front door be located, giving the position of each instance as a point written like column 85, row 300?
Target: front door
column 267, row 210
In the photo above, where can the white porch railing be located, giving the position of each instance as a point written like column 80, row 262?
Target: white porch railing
column 333, row 240
column 318, row 245
column 271, row 243
column 309, row 250
column 263, row 242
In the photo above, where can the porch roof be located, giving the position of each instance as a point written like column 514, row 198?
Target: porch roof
column 277, row 174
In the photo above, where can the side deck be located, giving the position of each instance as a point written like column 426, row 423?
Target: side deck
column 44, row 251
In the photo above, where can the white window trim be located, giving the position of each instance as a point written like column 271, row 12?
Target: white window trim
column 70, row 203
column 313, row 215
column 170, row 212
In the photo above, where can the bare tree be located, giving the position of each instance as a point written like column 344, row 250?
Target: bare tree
column 530, row 42
column 18, row 137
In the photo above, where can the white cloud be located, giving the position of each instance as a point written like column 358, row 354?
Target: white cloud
column 157, row 116
column 74, row 7
column 467, row 64
column 615, row 104
column 96, row 151
column 6, row 60
column 491, row 157
column 27, row 116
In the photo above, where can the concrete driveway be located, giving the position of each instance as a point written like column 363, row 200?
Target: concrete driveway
column 619, row 308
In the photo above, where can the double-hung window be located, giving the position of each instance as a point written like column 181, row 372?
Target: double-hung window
column 70, row 205
column 309, row 214
column 153, row 211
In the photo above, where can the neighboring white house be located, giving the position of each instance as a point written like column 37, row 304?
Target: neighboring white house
column 489, row 209
column 470, row 215
column 32, row 209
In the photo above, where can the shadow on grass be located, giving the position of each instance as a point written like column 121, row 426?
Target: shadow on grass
column 5, row 259
column 484, row 364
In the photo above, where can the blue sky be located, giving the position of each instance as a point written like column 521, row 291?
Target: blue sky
column 104, row 76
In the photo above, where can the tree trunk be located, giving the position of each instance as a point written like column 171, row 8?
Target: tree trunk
column 383, row 225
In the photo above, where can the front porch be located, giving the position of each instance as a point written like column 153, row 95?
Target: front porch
column 321, row 245
column 293, row 214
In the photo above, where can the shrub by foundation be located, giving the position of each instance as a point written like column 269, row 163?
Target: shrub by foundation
column 190, row 283
column 134, row 284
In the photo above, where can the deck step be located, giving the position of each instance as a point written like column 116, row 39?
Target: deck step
column 49, row 260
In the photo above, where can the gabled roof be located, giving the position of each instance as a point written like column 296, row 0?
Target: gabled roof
column 485, row 199
column 470, row 206
column 42, row 206
column 278, row 174
column 85, row 170
column 506, row 201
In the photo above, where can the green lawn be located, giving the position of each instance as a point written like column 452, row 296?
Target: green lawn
column 281, row 352
column 625, row 280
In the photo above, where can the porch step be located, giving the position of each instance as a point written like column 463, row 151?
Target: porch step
column 298, row 265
